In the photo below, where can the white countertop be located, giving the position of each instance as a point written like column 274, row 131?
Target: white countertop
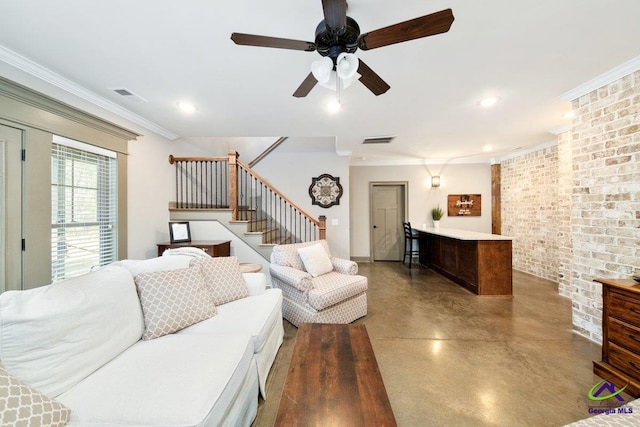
column 462, row 234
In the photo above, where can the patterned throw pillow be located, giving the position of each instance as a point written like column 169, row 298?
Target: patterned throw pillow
column 173, row 300
column 223, row 278
column 20, row 405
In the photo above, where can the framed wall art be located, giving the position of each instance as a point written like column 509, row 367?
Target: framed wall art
column 325, row 191
column 464, row 204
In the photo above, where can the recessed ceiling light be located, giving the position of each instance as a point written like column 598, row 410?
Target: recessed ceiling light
column 334, row 106
column 487, row 148
column 570, row 115
column 186, row 107
column 489, row 102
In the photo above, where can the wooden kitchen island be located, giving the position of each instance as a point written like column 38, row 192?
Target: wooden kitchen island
column 480, row 262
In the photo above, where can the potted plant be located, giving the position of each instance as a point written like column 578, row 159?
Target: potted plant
column 436, row 214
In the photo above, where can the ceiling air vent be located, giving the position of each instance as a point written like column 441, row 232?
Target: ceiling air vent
column 126, row 93
column 378, row 139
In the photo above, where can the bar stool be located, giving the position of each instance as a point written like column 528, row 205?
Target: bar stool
column 409, row 238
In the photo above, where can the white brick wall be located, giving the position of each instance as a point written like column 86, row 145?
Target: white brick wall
column 588, row 225
column 605, row 216
column 563, row 217
column 529, row 211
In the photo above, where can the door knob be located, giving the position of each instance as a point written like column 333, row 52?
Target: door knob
column 375, row 226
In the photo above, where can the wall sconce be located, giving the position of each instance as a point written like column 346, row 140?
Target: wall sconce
column 435, row 181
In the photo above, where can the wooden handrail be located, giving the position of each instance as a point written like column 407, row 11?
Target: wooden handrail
column 172, row 159
column 268, row 151
column 275, row 190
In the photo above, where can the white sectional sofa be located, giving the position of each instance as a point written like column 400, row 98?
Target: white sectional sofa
column 79, row 342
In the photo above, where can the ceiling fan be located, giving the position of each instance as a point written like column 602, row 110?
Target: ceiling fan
column 339, row 34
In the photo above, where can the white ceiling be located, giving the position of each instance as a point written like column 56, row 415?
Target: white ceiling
column 527, row 53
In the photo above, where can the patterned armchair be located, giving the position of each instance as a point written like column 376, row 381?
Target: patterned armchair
column 338, row 296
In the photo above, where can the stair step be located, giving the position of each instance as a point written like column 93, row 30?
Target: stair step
column 279, row 241
column 257, row 224
column 246, row 213
column 271, row 234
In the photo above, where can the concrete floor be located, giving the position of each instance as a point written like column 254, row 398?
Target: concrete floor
column 450, row 358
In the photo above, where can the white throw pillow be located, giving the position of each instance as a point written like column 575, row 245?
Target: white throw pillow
column 162, row 263
column 315, row 260
column 173, row 300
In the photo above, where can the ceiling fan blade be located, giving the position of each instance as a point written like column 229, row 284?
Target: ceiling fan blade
column 371, row 80
column 429, row 25
column 306, row 86
column 335, row 15
column 265, row 41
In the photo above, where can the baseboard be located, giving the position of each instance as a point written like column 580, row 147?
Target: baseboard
column 361, row 258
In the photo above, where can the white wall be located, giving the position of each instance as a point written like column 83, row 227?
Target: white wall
column 151, row 182
column 151, row 186
column 291, row 173
column 456, row 179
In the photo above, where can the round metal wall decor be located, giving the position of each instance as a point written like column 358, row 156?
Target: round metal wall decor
column 325, row 191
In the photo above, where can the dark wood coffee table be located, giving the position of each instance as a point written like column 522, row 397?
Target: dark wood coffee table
column 334, row 380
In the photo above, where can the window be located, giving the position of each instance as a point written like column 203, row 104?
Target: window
column 84, row 205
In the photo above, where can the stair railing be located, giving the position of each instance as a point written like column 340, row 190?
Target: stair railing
column 201, row 182
column 218, row 182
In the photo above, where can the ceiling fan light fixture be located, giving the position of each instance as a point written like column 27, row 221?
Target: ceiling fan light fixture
column 347, row 65
column 348, row 82
column 345, row 83
column 321, row 69
column 339, row 34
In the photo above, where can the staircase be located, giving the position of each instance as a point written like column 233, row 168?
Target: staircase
column 226, row 190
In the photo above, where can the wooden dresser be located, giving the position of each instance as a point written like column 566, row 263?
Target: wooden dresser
column 212, row 247
column 620, row 334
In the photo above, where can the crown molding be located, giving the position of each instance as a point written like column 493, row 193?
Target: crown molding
column 418, row 162
column 495, row 159
column 28, row 97
column 522, row 152
column 36, row 70
column 610, row 76
column 562, row 129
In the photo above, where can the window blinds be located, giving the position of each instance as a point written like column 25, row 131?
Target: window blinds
column 84, row 205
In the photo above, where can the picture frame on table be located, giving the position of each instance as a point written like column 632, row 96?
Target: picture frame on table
column 179, row 232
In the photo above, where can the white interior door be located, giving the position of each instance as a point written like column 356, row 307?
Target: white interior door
column 11, row 208
column 387, row 205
